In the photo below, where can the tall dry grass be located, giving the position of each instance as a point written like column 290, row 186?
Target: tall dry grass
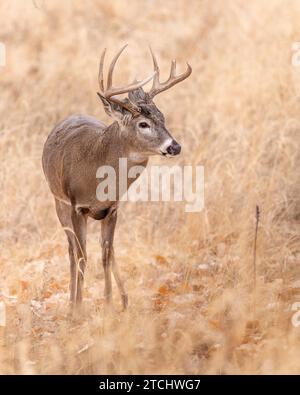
column 193, row 308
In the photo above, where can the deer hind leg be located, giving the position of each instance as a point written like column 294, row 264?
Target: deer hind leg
column 107, row 229
column 64, row 215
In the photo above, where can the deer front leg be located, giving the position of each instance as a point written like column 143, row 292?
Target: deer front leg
column 109, row 263
column 64, row 215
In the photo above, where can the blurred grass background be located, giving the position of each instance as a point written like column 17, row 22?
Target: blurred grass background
column 193, row 308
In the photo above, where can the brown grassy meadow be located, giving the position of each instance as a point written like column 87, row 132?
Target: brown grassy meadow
column 193, row 305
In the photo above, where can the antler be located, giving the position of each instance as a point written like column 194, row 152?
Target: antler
column 110, row 91
column 158, row 87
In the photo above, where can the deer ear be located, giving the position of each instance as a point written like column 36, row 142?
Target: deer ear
column 112, row 109
column 106, row 104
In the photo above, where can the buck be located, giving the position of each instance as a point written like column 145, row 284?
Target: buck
column 80, row 144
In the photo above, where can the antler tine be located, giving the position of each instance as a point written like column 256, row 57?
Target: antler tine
column 156, row 69
column 173, row 79
column 158, row 87
column 100, row 76
column 173, row 69
column 112, row 66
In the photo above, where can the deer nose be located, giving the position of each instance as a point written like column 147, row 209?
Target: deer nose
column 174, row 148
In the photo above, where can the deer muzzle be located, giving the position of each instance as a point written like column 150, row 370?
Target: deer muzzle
column 174, row 148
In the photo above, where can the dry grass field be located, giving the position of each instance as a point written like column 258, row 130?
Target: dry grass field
column 193, row 305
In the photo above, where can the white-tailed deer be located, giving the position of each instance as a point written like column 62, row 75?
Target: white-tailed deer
column 80, row 144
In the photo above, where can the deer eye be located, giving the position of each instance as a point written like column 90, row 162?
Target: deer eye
column 144, row 125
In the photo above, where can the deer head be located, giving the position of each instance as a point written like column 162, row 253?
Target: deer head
column 137, row 114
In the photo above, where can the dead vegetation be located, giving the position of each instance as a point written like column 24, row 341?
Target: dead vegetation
column 193, row 308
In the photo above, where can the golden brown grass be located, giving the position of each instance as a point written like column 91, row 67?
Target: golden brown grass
column 193, row 308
